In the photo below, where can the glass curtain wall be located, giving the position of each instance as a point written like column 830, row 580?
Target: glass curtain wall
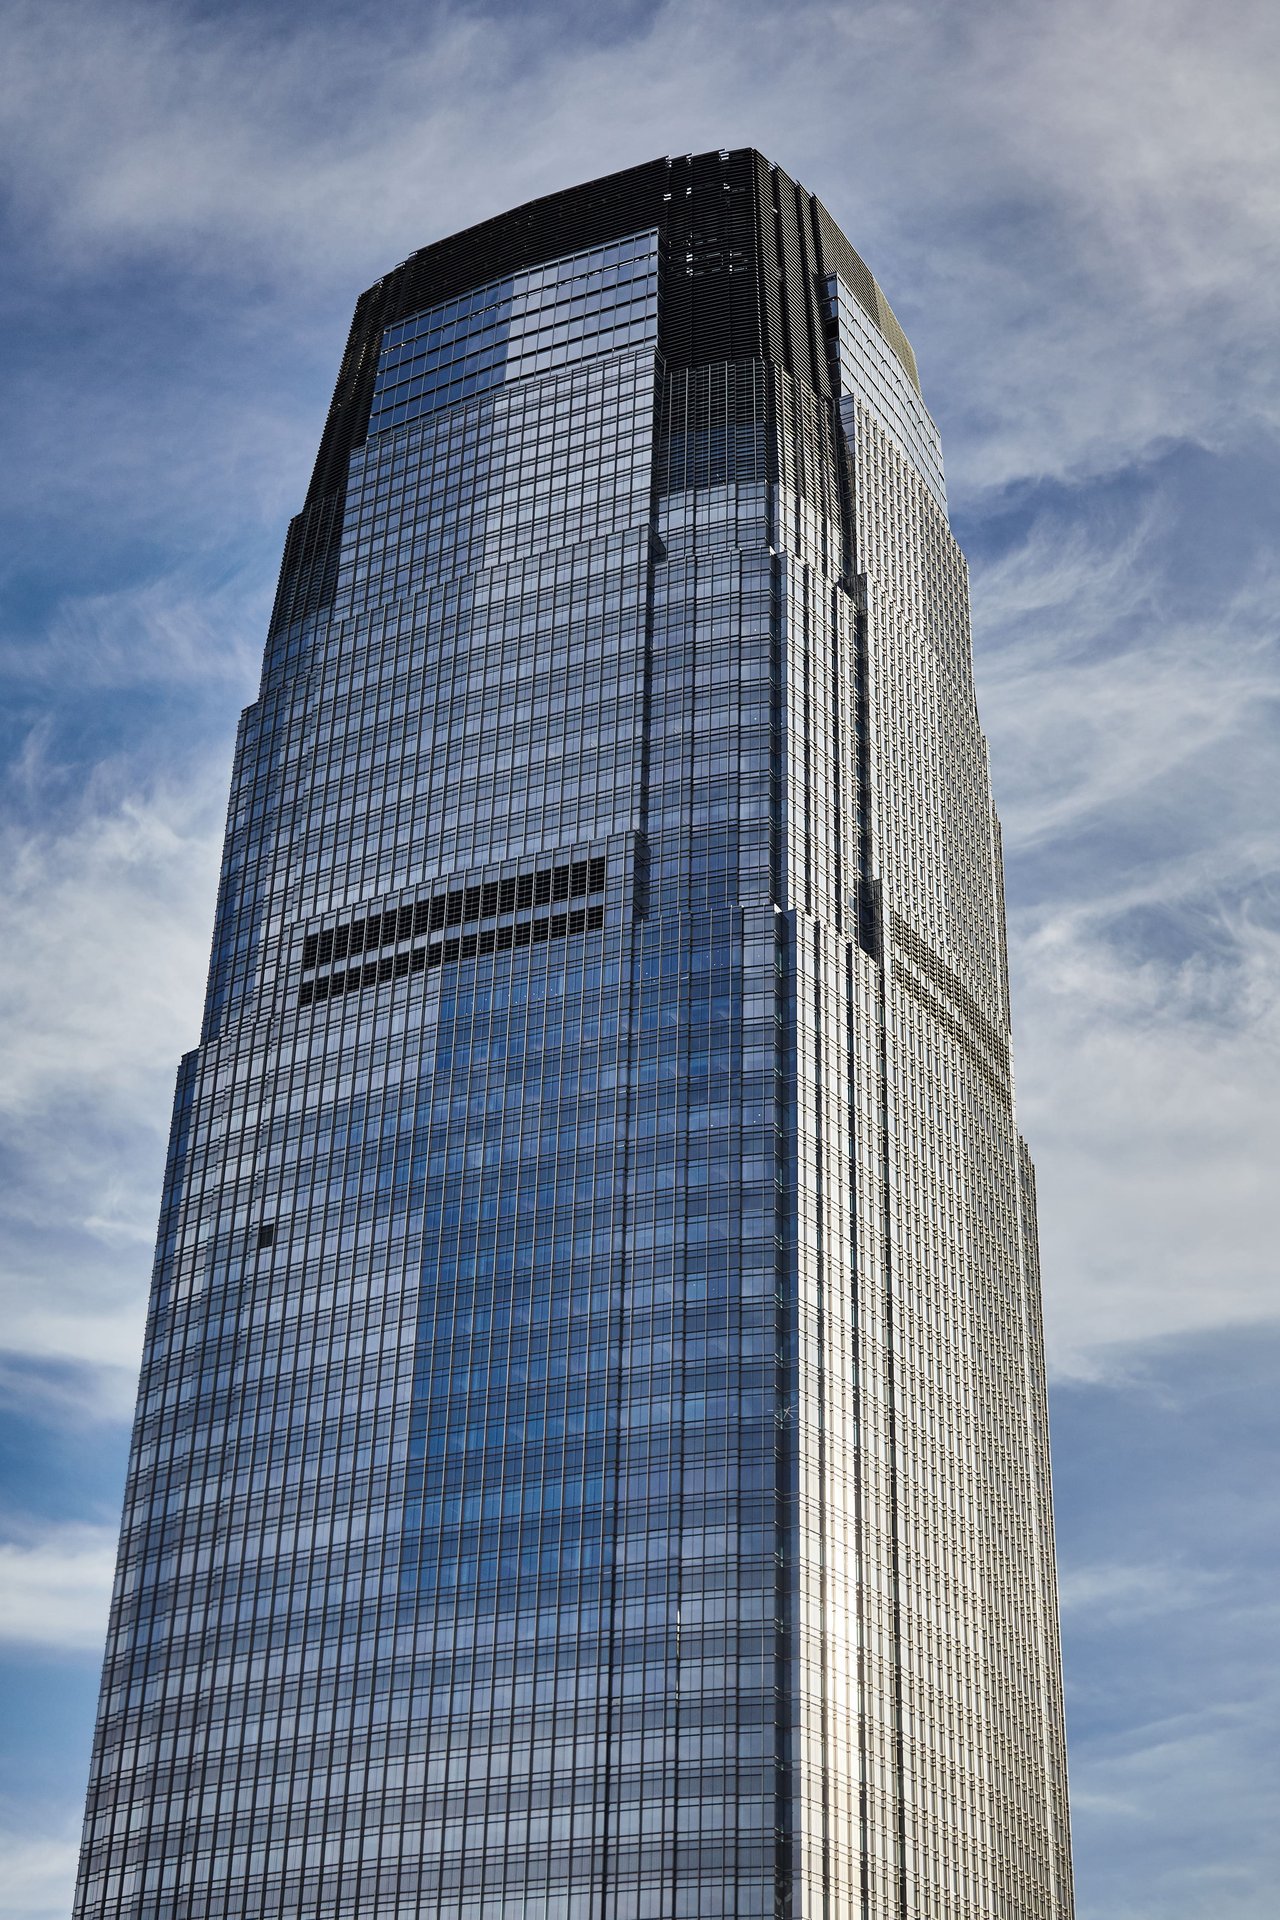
column 590, row 1460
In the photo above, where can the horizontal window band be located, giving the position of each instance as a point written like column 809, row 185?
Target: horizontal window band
column 944, row 981
column 572, row 881
column 467, row 946
column 995, row 1073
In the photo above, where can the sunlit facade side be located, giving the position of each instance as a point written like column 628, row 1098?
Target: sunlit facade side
column 591, row 1455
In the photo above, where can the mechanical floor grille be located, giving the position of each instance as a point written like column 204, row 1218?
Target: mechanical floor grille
column 330, row 958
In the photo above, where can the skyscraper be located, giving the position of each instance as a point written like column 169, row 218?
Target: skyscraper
column 591, row 1456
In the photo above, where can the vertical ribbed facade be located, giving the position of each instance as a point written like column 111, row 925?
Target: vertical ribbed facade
column 591, row 1456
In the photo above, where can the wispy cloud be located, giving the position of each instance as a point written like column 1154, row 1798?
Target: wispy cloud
column 1167, row 1508
column 161, row 632
column 1080, row 204
column 108, row 904
column 108, row 908
column 55, row 1585
column 38, row 1876
column 1192, row 1798
column 1135, row 1591
column 1133, row 719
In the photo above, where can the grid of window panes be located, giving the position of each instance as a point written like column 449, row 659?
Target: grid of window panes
column 572, row 309
column 868, row 368
column 966, row 1496
column 538, row 464
column 466, row 1311
column 589, row 1463
column 478, row 688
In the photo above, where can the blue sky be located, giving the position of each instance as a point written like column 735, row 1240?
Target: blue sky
column 1074, row 212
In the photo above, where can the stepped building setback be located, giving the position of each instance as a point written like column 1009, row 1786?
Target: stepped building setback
column 591, row 1458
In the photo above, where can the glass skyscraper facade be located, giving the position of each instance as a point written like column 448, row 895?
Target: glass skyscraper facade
column 591, row 1456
